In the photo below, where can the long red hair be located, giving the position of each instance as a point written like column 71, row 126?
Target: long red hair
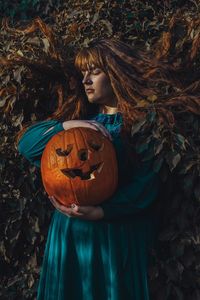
column 139, row 79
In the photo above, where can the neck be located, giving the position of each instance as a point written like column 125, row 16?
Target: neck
column 108, row 110
column 110, row 107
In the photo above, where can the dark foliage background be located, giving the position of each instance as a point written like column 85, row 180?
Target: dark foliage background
column 28, row 94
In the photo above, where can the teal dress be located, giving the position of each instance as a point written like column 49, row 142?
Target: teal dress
column 105, row 259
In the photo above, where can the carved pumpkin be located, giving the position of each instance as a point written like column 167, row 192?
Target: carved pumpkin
column 79, row 166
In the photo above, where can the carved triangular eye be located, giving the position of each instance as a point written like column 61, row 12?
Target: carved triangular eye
column 66, row 152
column 94, row 146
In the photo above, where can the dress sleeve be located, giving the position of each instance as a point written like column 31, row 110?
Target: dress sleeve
column 134, row 197
column 35, row 138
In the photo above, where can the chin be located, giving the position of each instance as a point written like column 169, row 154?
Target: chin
column 94, row 100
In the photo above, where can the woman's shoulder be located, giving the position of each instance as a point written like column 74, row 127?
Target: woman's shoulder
column 39, row 132
column 44, row 124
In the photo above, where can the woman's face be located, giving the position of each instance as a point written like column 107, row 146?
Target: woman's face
column 97, row 86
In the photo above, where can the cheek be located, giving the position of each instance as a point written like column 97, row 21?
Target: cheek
column 104, row 85
column 107, row 88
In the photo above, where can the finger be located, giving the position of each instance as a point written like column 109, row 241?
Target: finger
column 60, row 207
column 82, row 209
column 66, row 213
column 73, row 211
column 69, row 212
column 54, row 202
column 92, row 126
column 102, row 129
column 98, row 126
column 77, row 210
column 51, row 198
column 77, row 214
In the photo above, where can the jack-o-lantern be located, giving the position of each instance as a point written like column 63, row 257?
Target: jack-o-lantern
column 79, row 166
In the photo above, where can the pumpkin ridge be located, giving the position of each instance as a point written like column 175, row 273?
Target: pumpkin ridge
column 84, row 182
column 72, row 187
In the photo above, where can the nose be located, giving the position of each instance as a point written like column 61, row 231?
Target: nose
column 86, row 78
column 83, row 154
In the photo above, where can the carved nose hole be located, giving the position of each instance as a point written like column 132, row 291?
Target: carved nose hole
column 83, row 154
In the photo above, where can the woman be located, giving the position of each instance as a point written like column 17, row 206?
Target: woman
column 102, row 252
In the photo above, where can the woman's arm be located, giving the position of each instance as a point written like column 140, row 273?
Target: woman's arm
column 128, row 200
column 35, row 138
column 136, row 196
column 87, row 124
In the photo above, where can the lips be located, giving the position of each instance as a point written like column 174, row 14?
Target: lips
column 89, row 91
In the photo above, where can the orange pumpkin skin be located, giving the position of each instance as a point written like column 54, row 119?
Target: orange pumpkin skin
column 79, row 166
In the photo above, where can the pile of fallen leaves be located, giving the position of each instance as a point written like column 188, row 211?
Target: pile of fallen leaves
column 33, row 55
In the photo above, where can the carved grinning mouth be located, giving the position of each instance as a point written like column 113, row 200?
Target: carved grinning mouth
column 72, row 173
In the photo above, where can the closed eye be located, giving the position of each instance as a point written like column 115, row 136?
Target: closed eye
column 66, row 152
column 96, row 71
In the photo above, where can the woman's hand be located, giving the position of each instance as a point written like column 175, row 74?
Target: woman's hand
column 88, row 124
column 81, row 212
